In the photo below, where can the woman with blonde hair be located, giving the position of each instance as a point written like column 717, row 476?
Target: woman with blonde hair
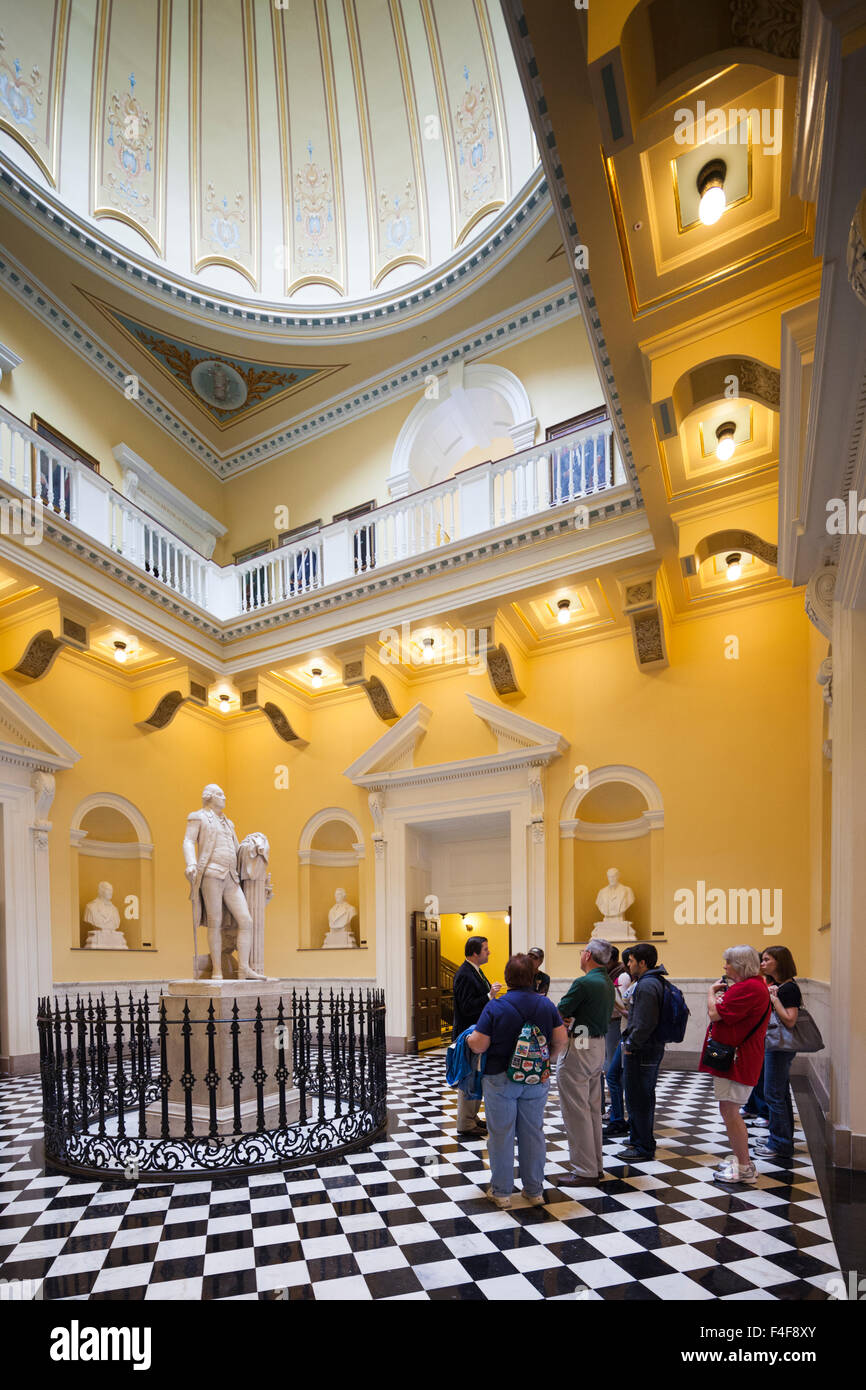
column 733, row 1053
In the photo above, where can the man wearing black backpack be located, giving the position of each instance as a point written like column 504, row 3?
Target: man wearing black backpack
column 643, row 1046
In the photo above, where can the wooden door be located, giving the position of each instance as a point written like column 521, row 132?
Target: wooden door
column 425, row 970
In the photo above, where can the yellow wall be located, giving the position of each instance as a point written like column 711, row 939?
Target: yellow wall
column 60, row 386
column 489, row 924
column 726, row 741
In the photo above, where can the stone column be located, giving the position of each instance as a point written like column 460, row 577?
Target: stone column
column 847, row 1121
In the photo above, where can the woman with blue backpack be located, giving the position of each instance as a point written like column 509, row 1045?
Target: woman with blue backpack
column 521, row 1034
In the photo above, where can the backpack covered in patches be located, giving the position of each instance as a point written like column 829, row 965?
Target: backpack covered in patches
column 530, row 1060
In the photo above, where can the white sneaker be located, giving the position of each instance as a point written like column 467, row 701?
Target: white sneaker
column 735, row 1172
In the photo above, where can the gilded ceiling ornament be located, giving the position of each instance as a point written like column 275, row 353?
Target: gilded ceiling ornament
column 130, row 138
column 771, row 25
column 225, row 226
column 314, row 216
column 476, row 135
column 18, row 94
column 857, row 251
column 223, row 385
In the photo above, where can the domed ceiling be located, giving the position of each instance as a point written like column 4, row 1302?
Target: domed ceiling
column 314, row 152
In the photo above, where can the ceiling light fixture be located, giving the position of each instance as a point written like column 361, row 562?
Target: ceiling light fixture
column 224, row 699
column 316, row 677
column 121, row 652
column 725, row 436
column 428, row 644
column 711, row 187
column 564, row 614
column 734, row 564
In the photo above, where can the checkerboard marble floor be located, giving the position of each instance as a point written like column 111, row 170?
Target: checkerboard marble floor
column 408, row 1219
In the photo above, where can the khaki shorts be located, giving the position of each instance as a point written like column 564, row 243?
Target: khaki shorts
column 731, row 1090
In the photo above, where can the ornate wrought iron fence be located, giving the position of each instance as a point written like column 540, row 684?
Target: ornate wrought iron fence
column 107, row 1084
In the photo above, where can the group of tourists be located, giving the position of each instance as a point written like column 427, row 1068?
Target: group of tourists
column 612, row 1026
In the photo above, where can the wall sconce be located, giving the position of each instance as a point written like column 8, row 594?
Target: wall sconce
column 725, row 436
column 467, row 925
column 711, row 187
column 564, row 614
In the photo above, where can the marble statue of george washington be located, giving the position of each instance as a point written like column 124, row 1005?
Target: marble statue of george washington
column 210, row 851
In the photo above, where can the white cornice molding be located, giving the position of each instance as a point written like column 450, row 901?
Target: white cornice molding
column 25, row 724
column 9, row 360
column 514, row 730
column 397, row 745
column 459, row 770
column 799, row 328
column 618, row 830
column 330, row 858
column 111, row 849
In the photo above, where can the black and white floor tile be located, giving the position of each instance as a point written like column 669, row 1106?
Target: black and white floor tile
column 408, row 1219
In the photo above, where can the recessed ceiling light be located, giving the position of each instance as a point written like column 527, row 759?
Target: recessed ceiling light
column 725, row 436
column 711, row 187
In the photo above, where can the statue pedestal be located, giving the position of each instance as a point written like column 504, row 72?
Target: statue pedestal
column 339, row 936
column 198, row 994
column 614, row 929
column 105, row 939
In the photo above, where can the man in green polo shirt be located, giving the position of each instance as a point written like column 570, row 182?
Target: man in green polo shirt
column 586, row 1011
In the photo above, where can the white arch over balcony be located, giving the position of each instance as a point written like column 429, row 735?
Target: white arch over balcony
column 476, row 403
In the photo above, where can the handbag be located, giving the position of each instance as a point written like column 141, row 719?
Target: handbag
column 721, row 1056
column 805, row 1036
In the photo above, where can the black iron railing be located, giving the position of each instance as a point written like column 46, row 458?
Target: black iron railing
column 136, row 1089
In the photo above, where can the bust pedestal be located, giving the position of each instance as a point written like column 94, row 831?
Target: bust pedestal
column 339, row 936
column 198, row 994
column 105, row 939
column 613, row 929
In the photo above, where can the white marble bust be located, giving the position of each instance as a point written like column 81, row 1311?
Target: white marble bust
column 339, row 918
column 103, row 917
column 613, row 901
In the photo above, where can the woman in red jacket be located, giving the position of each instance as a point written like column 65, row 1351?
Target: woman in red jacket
column 739, row 1009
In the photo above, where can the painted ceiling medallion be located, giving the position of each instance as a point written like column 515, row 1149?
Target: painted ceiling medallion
column 218, row 384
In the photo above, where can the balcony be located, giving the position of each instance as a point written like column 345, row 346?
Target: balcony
column 580, row 469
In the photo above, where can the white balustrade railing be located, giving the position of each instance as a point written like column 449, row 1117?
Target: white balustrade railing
column 279, row 576
column 133, row 534
column 481, row 498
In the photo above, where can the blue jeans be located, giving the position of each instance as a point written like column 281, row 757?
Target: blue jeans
column 611, row 1043
column 614, row 1085
column 511, row 1106
column 777, row 1101
column 640, row 1073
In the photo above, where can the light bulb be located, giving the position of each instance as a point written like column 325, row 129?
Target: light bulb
column 734, row 567
column 428, row 643
column 711, row 187
column 726, row 445
column 564, row 614
column 712, row 205
column 224, row 699
column 316, row 678
column 121, row 652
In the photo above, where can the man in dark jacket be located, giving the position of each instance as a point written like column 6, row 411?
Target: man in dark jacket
column 472, row 990
column 540, row 981
column 641, row 1054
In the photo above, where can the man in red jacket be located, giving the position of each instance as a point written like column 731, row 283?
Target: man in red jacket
column 739, row 1009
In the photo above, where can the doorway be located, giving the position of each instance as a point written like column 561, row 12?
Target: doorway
column 464, row 862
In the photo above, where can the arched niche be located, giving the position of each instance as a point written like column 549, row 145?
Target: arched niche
column 613, row 817
column 330, row 851
column 471, row 414
column 110, row 839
